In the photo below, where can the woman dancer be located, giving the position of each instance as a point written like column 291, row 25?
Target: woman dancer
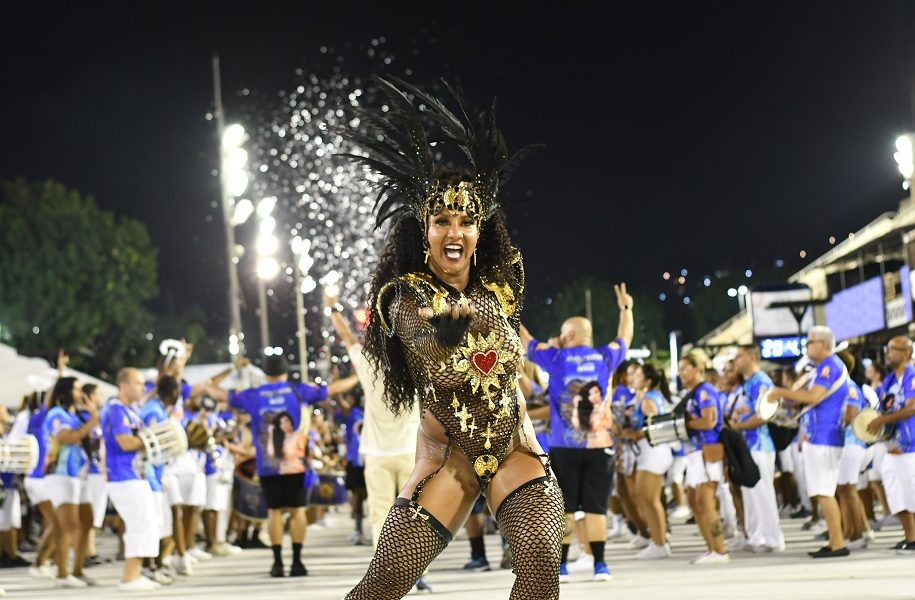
column 447, row 298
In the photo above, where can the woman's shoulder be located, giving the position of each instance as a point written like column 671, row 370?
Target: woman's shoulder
column 423, row 288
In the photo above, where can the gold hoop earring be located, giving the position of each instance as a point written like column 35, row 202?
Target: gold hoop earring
column 426, row 261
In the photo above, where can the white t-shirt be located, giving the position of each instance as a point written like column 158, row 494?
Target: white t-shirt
column 383, row 434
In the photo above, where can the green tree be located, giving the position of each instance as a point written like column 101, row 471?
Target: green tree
column 73, row 276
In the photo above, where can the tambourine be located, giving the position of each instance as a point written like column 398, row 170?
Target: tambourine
column 19, row 455
column 859, row 427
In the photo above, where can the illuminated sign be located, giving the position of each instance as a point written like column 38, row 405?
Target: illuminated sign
column 782, row 347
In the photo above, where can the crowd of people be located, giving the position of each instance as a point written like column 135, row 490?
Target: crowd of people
column 566, row 444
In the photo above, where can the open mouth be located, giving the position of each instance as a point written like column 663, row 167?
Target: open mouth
column 454, row 251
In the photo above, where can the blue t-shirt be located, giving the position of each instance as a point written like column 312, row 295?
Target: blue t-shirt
column 896, row 393
column 826, row 421
column 757, row 439
column 152, row 412
column 119, row 420
column 70, row 457
column 856, row 399
column 36, row 428
column 703, row 397
column 269, row 405
column 568, row 370
column 353, row 437
column 656, row 398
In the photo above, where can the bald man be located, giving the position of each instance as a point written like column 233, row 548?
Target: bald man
column 584, row 473
column 131, row 496
column 898, row 400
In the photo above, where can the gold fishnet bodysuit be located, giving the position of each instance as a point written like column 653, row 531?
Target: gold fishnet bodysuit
column 471, row 388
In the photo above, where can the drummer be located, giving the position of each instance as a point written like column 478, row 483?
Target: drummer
column 899, row 463
column 132, row 497
column 281, row 475
column 705, row 455
column 854, row 519
column 824, row 432
column 760, row 509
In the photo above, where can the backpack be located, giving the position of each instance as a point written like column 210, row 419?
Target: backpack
column 742, row 469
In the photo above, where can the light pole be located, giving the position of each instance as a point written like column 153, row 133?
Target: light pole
column 905, row 160
column 304, row 284
column 267, row 266
column 232, row 183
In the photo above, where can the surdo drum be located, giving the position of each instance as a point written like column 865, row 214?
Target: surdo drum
column 163, row 441
column 665, row 429
column 19, row 456
column 859, row 427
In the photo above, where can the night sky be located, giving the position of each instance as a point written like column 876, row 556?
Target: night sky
column 703, row 136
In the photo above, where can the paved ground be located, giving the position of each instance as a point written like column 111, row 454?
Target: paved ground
column 335, row 565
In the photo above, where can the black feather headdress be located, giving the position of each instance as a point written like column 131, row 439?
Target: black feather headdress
column 401, row 146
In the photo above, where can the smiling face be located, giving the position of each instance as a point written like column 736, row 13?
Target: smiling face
column 594, row 395
column 286, row 424
column 452, row 238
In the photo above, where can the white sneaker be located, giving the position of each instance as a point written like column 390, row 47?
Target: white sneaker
column 217, row 550
column 639, row 542
column 584, row 563
column 42, row 572
column 857, row 544
column 183, row 565
column 615, row 529
column 788, row 510
column 819, row 527
column 190, row 558
column 738, row 542
column 199, row 553
column 653, row 551
column 231, row 549
column 69, row 582
column 87, row 580
column 712, row 558
column 140, row 584
column 2, row 592
column 681, row 513
column 870, row 536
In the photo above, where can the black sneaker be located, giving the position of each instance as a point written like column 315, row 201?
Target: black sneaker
column 17, row 561
column 478, row 565
column 803, row 513
column 827, row 552
column 298, row 570
column 276, row 570
column 900, row 545
column 808, row 525
column 907, row 549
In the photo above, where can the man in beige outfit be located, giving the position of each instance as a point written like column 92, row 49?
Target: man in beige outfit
column 388, row 441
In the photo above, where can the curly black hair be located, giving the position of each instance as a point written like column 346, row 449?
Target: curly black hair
column 404, row 253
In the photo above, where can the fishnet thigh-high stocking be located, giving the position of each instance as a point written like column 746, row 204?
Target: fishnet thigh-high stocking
column 532, row 519
column 406, row 546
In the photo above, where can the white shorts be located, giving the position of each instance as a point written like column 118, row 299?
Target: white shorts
column 698, row 471
column 63, row 489
column 136, row 505
column 165, row 514
column 219, row 494
column 821, row 469
column 876, row 472
column 188, row 489
column 11, row 511
column 899, row 482
column 653, row 459
column 677, row 471
column 850, row 464
column 97, row 484
column 36, row 490
column 786, row 460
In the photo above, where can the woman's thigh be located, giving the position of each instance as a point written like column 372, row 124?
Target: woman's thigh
column 519, row 467
column 449, row 494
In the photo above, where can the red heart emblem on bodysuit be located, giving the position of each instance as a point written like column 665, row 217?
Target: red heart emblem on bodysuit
column 485, row 361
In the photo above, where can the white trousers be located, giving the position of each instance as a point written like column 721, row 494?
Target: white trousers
column 760, row 509
column 385, row 476
column 136, row 505
column 727, row 509
column 800, row 475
